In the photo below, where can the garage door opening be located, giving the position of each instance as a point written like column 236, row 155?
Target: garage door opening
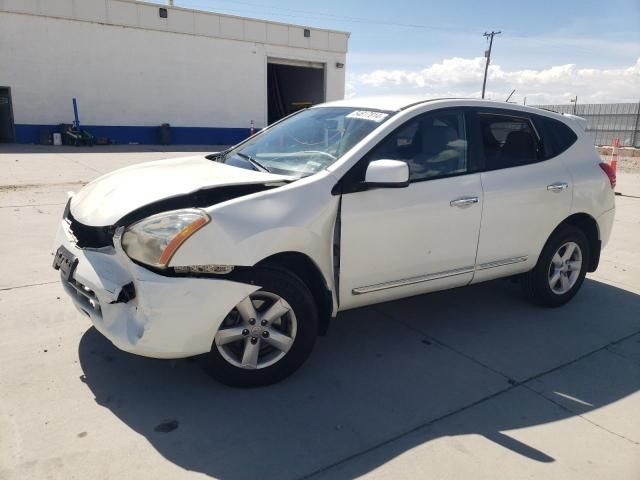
column 293, row 85
column 7, row 129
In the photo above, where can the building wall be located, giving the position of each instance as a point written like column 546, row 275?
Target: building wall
column 132, row 70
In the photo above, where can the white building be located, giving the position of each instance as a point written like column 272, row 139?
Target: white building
column 133, row 66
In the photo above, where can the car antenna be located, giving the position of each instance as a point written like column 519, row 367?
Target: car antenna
column 512, row 92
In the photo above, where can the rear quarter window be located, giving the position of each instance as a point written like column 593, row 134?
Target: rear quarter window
column 557, row 136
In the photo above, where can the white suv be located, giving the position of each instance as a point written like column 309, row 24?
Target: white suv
column 247, row 254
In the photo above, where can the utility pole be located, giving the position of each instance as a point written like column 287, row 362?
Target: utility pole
column 574, row 100
column 487, row 54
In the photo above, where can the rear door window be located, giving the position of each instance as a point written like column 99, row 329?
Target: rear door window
column 508, row 141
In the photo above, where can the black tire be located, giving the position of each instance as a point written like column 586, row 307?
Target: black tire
column 535, row 283
column 291, row 288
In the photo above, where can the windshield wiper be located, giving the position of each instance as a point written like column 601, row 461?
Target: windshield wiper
column 253, row 161
column 218, row 156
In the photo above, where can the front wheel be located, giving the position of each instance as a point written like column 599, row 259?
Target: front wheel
column 269, row 334
column 561, row 268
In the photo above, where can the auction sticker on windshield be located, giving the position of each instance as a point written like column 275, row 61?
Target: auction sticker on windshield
column 368, row 115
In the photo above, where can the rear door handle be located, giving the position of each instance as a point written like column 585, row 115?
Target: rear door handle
column 557, row 187
column 463, row 202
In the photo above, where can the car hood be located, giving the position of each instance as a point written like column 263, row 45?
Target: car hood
column 107, row 199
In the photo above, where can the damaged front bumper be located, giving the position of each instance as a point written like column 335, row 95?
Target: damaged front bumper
column 142, row 312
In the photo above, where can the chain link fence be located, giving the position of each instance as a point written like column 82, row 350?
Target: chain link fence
column 606, row 121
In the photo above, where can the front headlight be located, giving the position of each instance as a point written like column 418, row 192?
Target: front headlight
column 154, row 240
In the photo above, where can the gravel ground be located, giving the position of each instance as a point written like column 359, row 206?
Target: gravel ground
column 628, row 158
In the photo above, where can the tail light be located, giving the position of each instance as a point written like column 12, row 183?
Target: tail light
column 611, row 173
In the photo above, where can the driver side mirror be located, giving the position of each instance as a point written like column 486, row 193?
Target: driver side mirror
column 387, row 174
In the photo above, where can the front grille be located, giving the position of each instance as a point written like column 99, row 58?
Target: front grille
column 88, row 236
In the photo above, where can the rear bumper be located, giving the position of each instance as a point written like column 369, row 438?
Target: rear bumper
column 168, row 317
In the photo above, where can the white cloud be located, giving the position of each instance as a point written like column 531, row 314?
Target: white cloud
column 349, row 89
column 463, row 77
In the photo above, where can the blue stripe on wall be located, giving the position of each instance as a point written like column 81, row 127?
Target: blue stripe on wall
column 143, row 135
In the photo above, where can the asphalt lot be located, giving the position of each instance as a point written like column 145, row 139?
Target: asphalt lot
column 471, row 383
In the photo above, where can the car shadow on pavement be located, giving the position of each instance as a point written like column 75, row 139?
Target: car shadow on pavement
column 387, row 378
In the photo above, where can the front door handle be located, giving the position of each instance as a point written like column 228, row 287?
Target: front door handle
column 463, row 202
column 557, row 187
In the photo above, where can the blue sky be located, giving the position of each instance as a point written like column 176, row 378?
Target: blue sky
column 548, row 50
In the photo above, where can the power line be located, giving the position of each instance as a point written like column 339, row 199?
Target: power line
column 487, row 54
column 297, row 13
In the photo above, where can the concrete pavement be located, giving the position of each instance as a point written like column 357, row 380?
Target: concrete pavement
column 469, row 383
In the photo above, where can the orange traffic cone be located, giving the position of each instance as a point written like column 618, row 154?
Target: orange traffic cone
column 614, row 155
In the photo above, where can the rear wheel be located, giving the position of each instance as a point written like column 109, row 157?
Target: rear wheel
column 561, row 268
column 269, row 334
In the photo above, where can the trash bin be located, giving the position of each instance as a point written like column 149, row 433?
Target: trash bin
column 165, row 134
column 57, row 139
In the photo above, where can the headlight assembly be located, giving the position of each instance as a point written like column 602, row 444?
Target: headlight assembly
column 154, row 240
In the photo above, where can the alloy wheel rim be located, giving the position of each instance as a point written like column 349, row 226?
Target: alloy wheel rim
column 565, row 268
column 258, row 332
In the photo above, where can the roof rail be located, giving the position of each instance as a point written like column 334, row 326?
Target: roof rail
column 545, row 109
column 433, row 100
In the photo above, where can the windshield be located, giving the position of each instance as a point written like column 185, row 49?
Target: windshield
column 306, row 142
